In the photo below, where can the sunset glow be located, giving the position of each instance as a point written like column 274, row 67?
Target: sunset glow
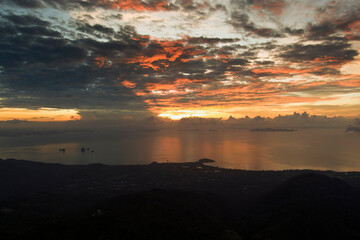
column 179, row 59
column 179, row 119
column 176, row 115
column 38, row 115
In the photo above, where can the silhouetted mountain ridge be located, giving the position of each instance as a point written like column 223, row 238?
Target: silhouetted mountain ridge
column 308, row 206
column 313, row 186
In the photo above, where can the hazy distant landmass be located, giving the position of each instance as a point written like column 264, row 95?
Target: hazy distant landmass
column 175, row 201
column 189, row 130
column 272, row 130
column 353, row 129
column 153, row 123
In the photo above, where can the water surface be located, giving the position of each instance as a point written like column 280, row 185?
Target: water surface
column 331, row 149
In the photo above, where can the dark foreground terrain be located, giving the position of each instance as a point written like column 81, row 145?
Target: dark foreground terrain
column 175, row 201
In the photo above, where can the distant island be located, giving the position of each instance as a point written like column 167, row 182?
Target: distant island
column 353, row 129
column 206, row 160
column 272, row 130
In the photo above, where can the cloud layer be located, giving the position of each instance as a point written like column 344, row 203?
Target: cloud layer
column 180, row 58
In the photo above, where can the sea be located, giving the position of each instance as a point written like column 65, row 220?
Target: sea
column 322, row 149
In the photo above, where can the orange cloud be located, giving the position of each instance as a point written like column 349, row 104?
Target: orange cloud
column 150, row 62
column 141, row 6
column 101, row 62
column 353, row 30
column 168, row 51
column 280, row 70
column 184, row 81
column 235, row 88
column 128, row 84
column 348, row 83
column 326, row 59
column 162, row 98
column 172, row 100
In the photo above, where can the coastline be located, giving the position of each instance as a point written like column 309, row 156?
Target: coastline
column 19, row 177
column 47, row 198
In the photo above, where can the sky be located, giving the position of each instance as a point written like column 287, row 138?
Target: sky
column 66, row 60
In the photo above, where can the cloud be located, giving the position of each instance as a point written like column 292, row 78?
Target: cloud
column 26, row 20
column 139, row 5
column 336, row 18
column 124, row 5
column 96, row 30
column 40, row 67
column 273, row 6
column 90, row 56
column 28, row 3
column 326, row 53
column 242, row 20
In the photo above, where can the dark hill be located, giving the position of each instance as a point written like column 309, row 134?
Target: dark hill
column 156, row 214
column 194, row 201
column 308, row 206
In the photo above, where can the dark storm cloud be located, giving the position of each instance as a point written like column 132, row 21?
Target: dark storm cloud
column 26, row 20
column 94, row 96
column 111, row 48
column 95, row 29
column 82, row 87
column 42, row 68
column 328, row 29
column 27, row 40
column 201, row 40
column 241, row 20
column 327, row 71
column 263, row 63
column 53, row 3
column 29, row 45
column 68, row 4
column 336, row 18
column 27, row 3
column 25, row 26
column 330, row 52
column 320, row 31
column 296, row 32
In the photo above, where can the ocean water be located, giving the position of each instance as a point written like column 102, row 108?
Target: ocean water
column 325, row 149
